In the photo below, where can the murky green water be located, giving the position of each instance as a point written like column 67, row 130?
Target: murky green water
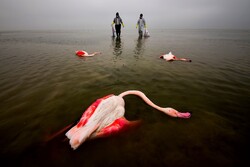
column 45, row 87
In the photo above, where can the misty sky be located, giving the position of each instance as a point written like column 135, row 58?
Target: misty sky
column 88, row 14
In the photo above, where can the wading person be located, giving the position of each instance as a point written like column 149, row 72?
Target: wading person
column 141, row 24
column 118, row 22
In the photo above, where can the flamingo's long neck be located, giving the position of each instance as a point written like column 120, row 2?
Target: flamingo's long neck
column 143, row 96
column 89, row 55
column 95, row 53
column 181, row 59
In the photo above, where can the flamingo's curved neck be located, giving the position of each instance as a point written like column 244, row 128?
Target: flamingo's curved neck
column 181, row 59
column 93, row 54
column 144, row 97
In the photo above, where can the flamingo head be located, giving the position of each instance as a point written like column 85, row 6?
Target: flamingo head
column 161, row 56
column 174, row 113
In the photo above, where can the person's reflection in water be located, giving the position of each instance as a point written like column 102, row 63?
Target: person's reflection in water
column 117, row 44
column 140, row 47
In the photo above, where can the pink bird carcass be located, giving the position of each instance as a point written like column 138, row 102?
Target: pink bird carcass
column 82, row 53
column 171, row 57
column 106, row 116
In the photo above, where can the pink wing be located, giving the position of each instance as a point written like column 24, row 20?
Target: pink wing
column 85, row 117
column 80, row 53
column 90, row 110
column 119, row 125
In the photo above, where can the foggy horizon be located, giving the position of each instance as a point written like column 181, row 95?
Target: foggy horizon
column 93, row 14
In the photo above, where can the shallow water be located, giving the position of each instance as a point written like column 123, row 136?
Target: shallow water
column 44, row 87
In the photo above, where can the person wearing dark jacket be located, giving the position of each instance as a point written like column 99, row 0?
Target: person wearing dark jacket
column 118, row 22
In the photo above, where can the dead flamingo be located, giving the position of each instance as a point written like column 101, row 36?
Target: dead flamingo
column 82, row 53
column 106, row 117
column 171, row 57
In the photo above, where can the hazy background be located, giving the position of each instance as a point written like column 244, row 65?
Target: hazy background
column 88, row 14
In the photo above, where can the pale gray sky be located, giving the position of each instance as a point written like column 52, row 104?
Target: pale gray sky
column 88, row 14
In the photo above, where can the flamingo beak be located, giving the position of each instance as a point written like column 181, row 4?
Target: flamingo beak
column 183, row 115
column 161, row 57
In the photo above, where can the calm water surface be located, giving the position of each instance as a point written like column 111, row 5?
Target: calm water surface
column 45, row 87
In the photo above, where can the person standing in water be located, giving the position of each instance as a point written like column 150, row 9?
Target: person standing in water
column 118, row 22
column 141, row 23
